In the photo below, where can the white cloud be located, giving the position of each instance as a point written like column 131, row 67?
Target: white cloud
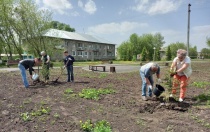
column 58, row 5
column 89, row 7
column 156, row 7
column 112, row 28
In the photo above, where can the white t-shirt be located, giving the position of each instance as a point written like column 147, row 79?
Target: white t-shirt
column 179, row 64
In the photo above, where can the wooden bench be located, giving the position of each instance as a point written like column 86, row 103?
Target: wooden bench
column 95, row 68
column 12, row 62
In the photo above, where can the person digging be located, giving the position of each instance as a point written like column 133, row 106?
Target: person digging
column 180, row 71
column 146, row 73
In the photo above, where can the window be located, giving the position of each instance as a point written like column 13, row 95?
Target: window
column 79, row 53
column 95, row 53
column 85, row 53
column 79, row 45
column 73, row 53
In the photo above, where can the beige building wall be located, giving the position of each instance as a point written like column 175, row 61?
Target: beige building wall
column 90, row 51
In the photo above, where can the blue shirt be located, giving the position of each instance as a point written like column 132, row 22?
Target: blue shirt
column 68, row 62
column 146, row 69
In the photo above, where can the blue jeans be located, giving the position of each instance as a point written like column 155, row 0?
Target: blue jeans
column 144, row 84
column 23, row 74
column 70, row 73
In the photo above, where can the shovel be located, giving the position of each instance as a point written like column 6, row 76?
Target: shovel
column 62, row 69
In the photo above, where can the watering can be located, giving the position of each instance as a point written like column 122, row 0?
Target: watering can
column 35, row 77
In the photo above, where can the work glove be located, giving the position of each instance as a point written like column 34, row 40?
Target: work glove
column 159, row 80
column 69, row 58
column 150, row 87
column 172, row 74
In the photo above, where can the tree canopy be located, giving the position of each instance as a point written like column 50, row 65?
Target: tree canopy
column 61, row 26
column 135, row 45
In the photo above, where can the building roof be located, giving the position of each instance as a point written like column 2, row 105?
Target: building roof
column 74, row 36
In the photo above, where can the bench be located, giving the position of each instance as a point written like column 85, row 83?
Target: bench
column 95, row 68
column 12, row 62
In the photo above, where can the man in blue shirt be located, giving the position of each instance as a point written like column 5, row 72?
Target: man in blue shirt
column 68, row 63
column 146, row 73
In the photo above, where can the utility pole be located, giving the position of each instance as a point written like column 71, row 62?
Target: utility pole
column 188, row 29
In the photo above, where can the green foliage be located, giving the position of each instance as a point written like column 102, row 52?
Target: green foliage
column 45, row 71
column 134, row 58
column 203, row 97
column 157, row 55
column 61, row 26
column 143, row 54
column 25, row 116
column 193, row 53
column 56, row 115
column 205, row 52
column 99, row 126
column 135, row 45
column 208, row 41
column 102, row 75
column 41, row 111
column 201, row 84
column 94, row 94
column 68, row 91
column 168, row 54
column 175, row 46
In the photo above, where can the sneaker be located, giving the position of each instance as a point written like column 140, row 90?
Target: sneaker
column 181, row 100
column 144, row 98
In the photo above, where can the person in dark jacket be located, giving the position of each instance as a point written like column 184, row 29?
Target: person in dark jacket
column 28, row 64
column 68, row 63
column 45, row 65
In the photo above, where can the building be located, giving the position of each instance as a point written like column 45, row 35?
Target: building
column 83, row 46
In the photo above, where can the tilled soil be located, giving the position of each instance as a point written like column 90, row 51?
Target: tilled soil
column 124, row 109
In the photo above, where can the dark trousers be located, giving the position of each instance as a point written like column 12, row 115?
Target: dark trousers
column 70, row 73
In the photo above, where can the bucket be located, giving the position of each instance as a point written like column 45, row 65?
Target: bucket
column 158, row 90
column 35, row 77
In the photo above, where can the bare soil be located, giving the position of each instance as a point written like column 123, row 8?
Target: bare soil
column 124, row 109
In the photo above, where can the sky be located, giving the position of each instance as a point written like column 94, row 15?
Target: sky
column 116, row 20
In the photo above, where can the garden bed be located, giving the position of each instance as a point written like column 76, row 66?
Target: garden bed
column 60, row 106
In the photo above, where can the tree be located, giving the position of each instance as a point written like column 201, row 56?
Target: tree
column 208, row 41
column 175, row 46
column 135, row 44
column 144, row 54
column 168, row 54
column 158, row 40
column 157, row 55
column 61, row 26
column 205, row 53
column 8, row 36
column 193, row 53
column 32, row 23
